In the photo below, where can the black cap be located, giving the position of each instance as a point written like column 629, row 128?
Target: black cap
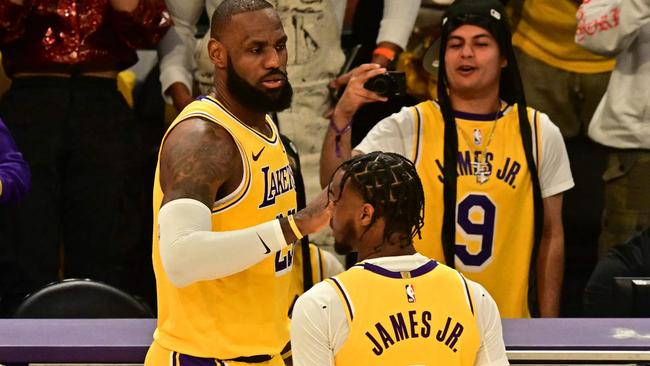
column 491, row 10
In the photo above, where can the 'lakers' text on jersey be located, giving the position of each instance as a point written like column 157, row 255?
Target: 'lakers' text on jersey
column 494, row 201
column 244, row 314
column 420, row 317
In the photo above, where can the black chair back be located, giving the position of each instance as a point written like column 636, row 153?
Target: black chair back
column 83, row 299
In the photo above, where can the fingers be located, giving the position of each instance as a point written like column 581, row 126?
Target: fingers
column 356, row 72
column 316, row 215
column 356, row 94
column 356, row 85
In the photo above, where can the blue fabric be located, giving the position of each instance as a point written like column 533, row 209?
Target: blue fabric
column 14, row 171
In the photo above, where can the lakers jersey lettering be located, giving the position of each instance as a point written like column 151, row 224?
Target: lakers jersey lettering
column 222, row 318
column 494, row 186
column 276, row 183
column 469, row 160
column 394, row 324
column 402, row 326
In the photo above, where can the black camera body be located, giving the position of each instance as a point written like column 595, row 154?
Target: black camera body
column 388, row 84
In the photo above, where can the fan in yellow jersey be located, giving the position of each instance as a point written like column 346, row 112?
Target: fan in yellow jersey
column 492, row 169
column 224, row 205
column 396, row 306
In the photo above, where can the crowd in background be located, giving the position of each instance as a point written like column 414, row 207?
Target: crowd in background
column 77, row 160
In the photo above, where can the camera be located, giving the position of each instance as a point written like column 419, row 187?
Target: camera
column 389, row 84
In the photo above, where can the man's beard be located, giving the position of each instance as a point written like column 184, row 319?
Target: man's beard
column 257, row 99
column 344, row 246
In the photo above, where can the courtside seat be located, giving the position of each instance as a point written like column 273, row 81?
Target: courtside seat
column 81, row 298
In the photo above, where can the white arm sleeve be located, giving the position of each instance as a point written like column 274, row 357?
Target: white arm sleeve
column 492, row 351
column 176, row 48
column 190, row 251
column 398, row 21
column 555, row 171
column 394, row 133
column 607, row 27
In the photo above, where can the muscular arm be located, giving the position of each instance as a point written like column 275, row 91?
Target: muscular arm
column 197, row 159
column 550, row 259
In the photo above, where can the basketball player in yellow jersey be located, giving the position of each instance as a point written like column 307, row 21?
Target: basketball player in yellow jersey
column 224, row 205
column 396, row 306
column 492, row 169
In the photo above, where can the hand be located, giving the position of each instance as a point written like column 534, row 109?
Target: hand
column 181, row 96
column 355, row 94
column 124, row 5
column 316, row 215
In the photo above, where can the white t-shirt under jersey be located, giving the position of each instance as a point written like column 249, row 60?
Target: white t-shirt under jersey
column 319, row 325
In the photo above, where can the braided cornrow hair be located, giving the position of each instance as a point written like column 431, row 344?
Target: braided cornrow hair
column 390, row 183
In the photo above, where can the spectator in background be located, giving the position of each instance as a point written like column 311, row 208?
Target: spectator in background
column 622, row 119
column 14, row 171
column 566, row 82
column 560, row 78
column 315, row 58
column 629, row 259
column 484, row 159
column 76, row 131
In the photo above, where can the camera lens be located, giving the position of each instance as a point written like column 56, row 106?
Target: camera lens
column 381, row 86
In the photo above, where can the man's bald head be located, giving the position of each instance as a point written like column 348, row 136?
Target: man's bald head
column 228, row 8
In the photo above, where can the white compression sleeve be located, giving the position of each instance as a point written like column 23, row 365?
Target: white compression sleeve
column 190, row 251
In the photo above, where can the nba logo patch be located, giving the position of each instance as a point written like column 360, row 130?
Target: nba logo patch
column 478, row 137
column 410, row 293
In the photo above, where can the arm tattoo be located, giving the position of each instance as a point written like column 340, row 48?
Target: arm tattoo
column 197, row 158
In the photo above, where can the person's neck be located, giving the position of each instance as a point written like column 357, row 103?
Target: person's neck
column 485, row 103
column 385, row 248
column 253, row 119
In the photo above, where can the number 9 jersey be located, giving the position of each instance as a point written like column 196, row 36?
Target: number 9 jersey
column 494, row 198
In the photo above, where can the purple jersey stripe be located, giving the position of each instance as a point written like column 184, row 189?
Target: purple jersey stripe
column 423, row 269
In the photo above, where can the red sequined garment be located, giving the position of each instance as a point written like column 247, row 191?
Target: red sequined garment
column 76, row 36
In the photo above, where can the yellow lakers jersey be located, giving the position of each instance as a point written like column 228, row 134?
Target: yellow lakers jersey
column 494, row 204
column 243, row 314
column 546, row 31
column 421, row 317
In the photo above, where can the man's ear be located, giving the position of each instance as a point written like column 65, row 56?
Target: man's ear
column 218, row 53
column 366, row 214
column 504, row 62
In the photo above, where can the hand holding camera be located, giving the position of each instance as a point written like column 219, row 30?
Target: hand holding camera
column 388, row 84
column 355, row 94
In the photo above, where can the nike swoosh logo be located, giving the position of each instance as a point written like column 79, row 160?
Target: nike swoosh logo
column 268, row 250
column 257, row 156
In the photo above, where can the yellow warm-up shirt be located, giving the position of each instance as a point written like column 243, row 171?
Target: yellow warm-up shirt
column 244, row 314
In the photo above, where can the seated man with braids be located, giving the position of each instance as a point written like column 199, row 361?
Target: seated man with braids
column 395, row 306
column 493, row 170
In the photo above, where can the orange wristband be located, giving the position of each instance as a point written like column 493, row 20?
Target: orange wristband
column 384, row 51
